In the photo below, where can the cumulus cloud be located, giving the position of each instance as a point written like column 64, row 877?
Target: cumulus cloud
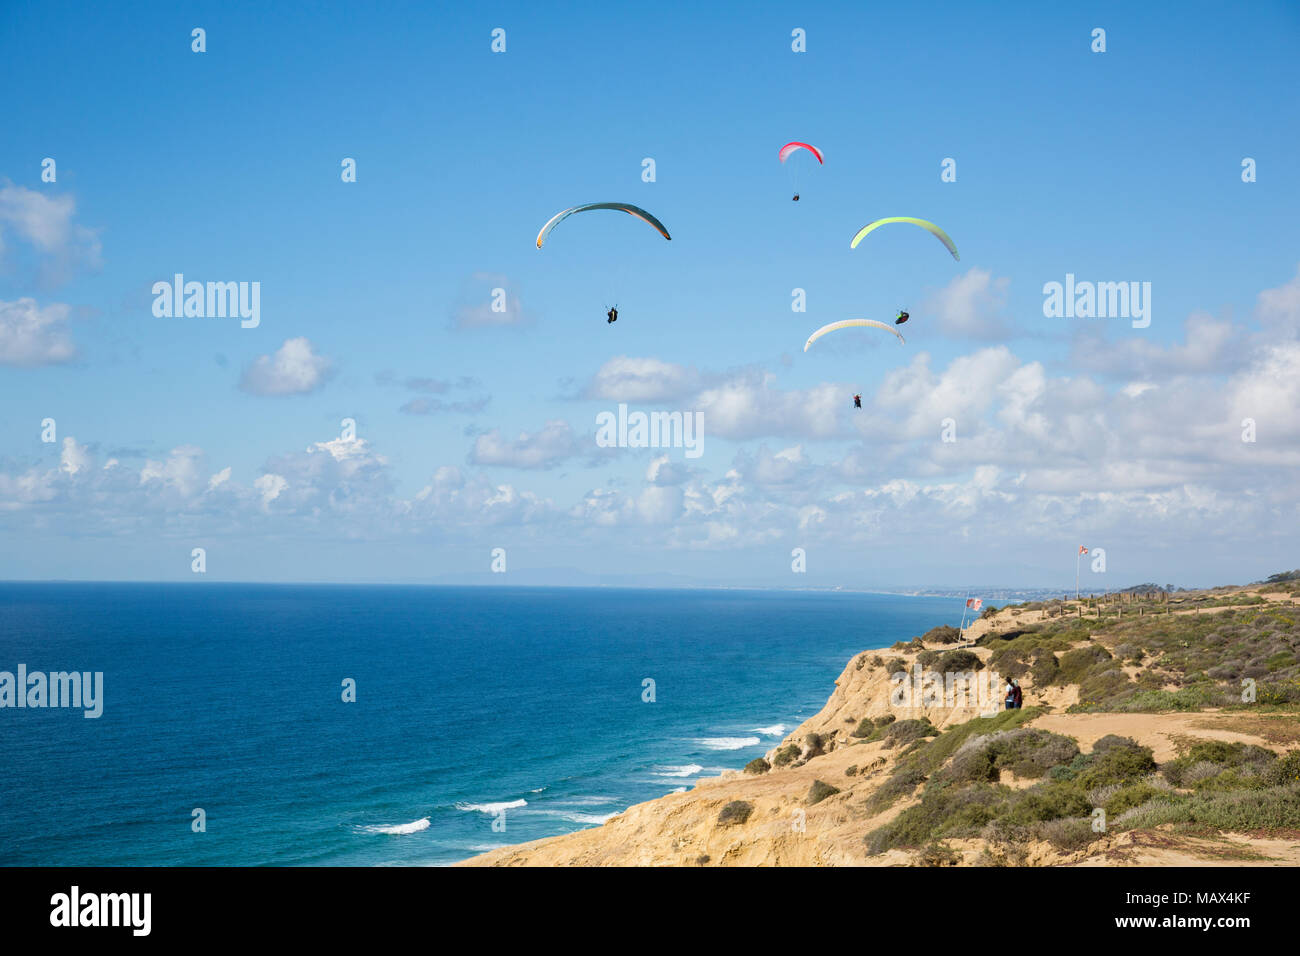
column 294, row 369
column 1279, row 309
column 1037, row 455
column 31, row 335
column 546, row 448
column 182, row 471
column 971, row 306
column 626, row 379
column 74, row 457
column 1208, row 346
column 45, row 223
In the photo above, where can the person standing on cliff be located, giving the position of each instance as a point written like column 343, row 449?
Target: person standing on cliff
column 1017, row 695
column 1010, row 695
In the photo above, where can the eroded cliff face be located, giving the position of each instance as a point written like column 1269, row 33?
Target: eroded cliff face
column 784, row 829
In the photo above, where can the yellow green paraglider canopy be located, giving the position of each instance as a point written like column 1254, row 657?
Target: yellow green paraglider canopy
column 849, row 324
column 923, row 223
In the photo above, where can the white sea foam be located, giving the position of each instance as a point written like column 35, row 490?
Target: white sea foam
column 687, row 770
column 596, row 818
column 575, row 817
column 728, row 743
column 585, row 801
column 414, row 827
column 491, row 808
column 776, row 730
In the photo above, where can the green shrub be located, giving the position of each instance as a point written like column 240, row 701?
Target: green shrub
column 820, row 791
column 1025, row 752
column 758, row 765
column 954, row 811
column 1044, row 669
column 737, row 811
column 1075, row 664
column 901, row 783
column 943, row 634
column 938, row 854
column 1126, row 798
column 1048, row 801
column 1007, row 662
column 906, row 731
column 1154, row 701
column 1067, row 834
column 1031, row 753
column 785, row 755
column 1275, row 808
column 1111, row 741
column 1234, row 779
column 959, row 662
column 1191, row 768
column 1118, row 764
column 1285, row 771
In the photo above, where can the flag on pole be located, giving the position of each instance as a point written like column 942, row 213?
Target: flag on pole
column 974, row 603
column 1082, row 549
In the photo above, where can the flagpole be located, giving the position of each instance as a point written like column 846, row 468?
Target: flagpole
column 1077, row 556
column 962, row 631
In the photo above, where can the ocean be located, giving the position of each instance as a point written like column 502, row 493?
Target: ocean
column 482, row 716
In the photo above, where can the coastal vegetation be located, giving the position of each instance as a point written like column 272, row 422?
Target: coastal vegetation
column 1159, row 725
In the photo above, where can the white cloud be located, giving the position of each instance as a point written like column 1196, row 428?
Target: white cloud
column 543, row 449
column 31, row 335
column 971, row 306
column 294, row 369
column 180, row 472
column 74, row 457
column 1038, row 455
column 45, row 222
column 625, row 379
column 269, row 487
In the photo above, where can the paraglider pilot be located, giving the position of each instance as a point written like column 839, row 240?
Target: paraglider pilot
column 796, row 197
column 902, row 317
column 611, row 316
column 857, row 401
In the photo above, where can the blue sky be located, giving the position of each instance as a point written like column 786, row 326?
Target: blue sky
column 224, row 166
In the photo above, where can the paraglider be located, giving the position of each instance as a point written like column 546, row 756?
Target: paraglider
column 902, row 317
column 790, row 148
column 611, row 316
column 628, row 208
column 924, row 224
column 852, row 323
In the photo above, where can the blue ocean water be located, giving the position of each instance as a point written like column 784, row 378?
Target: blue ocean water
column 229, row 698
